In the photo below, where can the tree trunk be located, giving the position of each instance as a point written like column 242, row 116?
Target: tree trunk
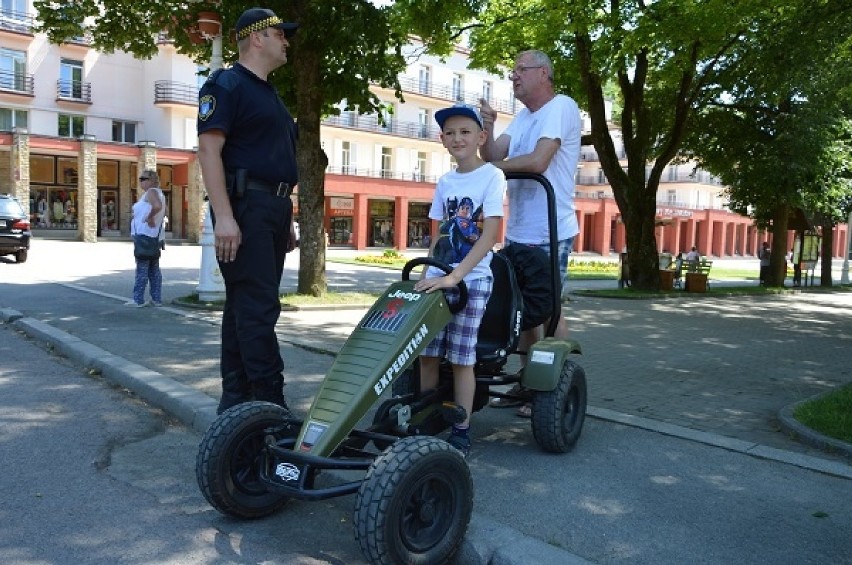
column 826, row 245
column 778, row 253
column 312, row 162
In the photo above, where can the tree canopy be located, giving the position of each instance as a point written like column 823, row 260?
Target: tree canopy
column 340, row 50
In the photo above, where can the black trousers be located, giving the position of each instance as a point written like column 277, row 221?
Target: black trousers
column 249, row 344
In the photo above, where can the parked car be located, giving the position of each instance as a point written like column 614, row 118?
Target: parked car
column 14, row 228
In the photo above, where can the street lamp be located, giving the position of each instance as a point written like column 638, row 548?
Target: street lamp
column 211, row 286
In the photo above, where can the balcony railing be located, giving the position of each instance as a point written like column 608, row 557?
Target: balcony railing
column 171, row 92
column 74, row 91
column 381, row 174
column 448, row 92
column 18, row 22
column 369, row 122
column 18, row 83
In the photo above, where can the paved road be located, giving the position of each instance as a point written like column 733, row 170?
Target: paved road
column 683, row 462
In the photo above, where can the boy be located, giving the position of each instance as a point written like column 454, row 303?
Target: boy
column 469, row 201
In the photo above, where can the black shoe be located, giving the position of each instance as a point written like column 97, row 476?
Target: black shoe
column 269, row 391
column 235, row 390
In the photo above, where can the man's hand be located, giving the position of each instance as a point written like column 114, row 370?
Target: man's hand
column 489, row 115
column 436, row 283
column 228, row 237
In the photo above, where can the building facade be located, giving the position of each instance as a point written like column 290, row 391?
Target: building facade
column 77, row 126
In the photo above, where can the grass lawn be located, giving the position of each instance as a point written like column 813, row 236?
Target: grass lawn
column 830, row 415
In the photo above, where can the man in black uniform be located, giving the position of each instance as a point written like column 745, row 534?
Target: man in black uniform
column 247, row 152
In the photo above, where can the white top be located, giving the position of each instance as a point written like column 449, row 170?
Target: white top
column 462, row 200
column 141, row 209
column 559, row 119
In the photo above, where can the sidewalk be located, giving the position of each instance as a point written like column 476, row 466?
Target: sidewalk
column 716, row 373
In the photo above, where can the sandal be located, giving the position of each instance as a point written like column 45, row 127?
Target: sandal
column 516, row 390
column 525, row 411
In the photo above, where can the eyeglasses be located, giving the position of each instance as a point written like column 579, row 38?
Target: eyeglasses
column 516, row 72
column 144, row 178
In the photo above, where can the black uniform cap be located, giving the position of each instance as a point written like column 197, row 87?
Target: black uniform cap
column 256, row 19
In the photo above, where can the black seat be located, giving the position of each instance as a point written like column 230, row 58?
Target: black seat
column 501, row 325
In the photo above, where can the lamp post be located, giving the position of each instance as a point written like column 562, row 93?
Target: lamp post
column 847, row 250
column 211, row 286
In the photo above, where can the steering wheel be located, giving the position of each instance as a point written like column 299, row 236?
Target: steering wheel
column 417, row 261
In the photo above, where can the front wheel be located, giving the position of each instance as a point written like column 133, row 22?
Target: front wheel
column 414, row 504
column 558, row 415
column 229, row 457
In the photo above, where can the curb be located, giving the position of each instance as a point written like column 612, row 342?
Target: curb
column 792, row 426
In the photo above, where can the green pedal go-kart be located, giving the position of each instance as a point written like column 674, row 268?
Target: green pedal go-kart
column 415, row 501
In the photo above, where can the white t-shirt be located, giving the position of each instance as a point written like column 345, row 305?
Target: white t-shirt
column 559, row 119
column 462, row 199
column 141, row 209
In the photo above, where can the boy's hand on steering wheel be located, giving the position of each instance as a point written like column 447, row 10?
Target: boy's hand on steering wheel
column 436, row 283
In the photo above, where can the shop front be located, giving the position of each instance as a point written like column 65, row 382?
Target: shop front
column 340, row 211
column 419, row 225
column 381, row 223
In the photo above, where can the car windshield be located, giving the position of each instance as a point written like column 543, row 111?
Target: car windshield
column 10, row 207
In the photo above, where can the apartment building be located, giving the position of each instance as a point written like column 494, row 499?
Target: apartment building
column 77, row 125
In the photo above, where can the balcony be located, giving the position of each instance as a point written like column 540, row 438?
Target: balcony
column 17, row 83
column 369, row 122
column 168, row 92
column 447, row 92
column 16, row 22
column 73, row 91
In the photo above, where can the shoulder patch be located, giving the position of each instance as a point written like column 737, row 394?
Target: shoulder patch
column 206, row 106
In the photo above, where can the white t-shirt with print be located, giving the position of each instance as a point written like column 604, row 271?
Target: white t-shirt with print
column 559, row 119
column 485, row 186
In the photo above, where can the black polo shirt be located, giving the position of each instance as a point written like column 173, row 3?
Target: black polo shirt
column 260, row 134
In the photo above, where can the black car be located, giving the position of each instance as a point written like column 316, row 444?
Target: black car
column 14, row 228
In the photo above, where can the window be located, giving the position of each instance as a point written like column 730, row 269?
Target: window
column 387, row 162
column 14, row 8
column 420, row 169
column 425, row 79
column 671, row 196
column 487, row 88
column 13, row 69
column 11, row 119
column 71, row 126
column 386, row 121
column 458, row 88
column 124, row 131
column 423, row 121
column 71, row 79
column 345, row 157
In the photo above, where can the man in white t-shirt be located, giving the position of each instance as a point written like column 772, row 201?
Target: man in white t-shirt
column 543, row 138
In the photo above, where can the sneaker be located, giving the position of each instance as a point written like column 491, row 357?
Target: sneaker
column 156, row 304
column 461, row 443
column 134, row 304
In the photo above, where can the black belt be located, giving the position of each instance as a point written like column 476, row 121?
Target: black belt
column 278, row 189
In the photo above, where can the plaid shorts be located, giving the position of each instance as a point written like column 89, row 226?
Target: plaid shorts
column 565, row 247
column 458, row 339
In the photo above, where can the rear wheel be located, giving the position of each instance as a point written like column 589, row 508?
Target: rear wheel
column 414, row 504
column 558, row 415
column 228, row 463
column 21, row 255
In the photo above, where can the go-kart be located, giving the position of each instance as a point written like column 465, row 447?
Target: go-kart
column 415, row 501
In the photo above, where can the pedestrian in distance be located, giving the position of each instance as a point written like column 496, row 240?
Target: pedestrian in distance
column 764, row 255
column 148, row 214
column 247, row 152
column 469, row 203
column 544, row 137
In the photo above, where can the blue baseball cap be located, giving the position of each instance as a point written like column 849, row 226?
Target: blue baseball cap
column 460, row 109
